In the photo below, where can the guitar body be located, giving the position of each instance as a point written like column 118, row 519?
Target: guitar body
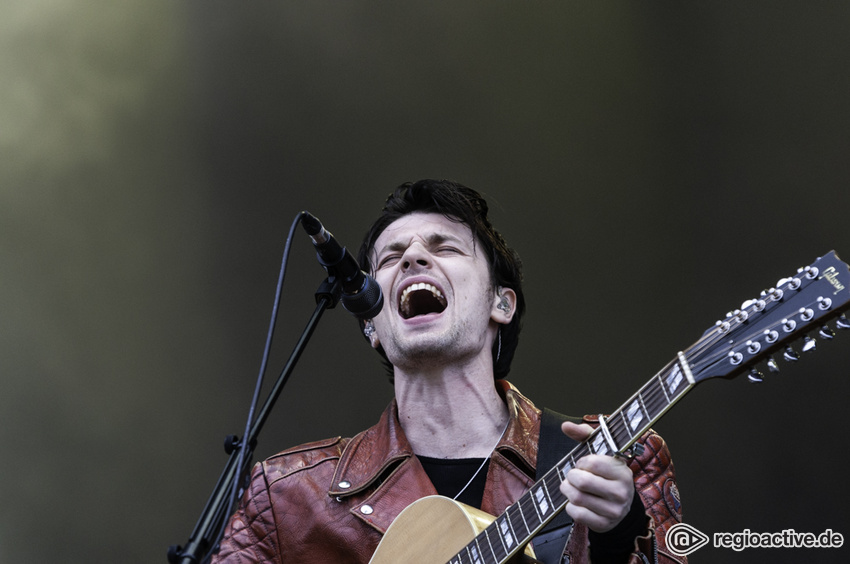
column 432, row 530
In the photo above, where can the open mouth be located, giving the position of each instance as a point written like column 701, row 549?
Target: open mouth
column 421, row 299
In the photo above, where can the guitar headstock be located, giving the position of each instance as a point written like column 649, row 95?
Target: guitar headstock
column 798, row 307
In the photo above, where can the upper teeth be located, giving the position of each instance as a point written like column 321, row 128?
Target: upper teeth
column 420, row 286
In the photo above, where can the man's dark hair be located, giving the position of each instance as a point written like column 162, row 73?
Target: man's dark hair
column 458, row 203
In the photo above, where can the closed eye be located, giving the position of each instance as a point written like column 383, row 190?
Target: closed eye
column 388, row 260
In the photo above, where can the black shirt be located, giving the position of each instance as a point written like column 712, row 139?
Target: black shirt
column 450, row 475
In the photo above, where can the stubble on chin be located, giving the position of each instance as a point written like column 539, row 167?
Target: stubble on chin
column 426, row 351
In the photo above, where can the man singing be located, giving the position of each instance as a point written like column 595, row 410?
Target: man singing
column 456, row 427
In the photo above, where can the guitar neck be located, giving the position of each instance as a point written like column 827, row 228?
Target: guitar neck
column 512, row 530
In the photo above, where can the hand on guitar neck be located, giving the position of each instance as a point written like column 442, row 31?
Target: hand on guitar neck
column 599, row 489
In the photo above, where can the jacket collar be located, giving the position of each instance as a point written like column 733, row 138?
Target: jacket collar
column 371, row 453
column 523, row 431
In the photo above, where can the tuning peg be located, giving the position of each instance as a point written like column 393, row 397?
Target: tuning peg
column 772, row 365
column 824, row 303
column 755, row 376
column 826, row 333
column 842, row 322
column 809, row 344
column 791, row 355
column 793, row 283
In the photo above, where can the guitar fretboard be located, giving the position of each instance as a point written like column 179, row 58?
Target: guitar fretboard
column 514, row 528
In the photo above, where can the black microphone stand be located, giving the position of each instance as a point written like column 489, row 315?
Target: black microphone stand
column 210, row 526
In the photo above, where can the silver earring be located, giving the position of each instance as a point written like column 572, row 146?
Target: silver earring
column 369, row 329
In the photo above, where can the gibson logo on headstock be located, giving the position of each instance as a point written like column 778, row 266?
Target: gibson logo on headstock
column 832, row 277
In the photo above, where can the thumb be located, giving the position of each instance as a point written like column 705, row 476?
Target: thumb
column 576, row 432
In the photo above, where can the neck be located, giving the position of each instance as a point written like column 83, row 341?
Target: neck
column 450, row 413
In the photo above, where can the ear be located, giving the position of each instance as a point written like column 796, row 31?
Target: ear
column 504, row 306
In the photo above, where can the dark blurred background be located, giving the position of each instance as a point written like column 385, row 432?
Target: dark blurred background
column 655, row 164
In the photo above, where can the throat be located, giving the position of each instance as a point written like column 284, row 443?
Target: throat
column 450, row 419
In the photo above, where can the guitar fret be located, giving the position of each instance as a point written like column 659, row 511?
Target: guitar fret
column 522, row 516
column 597, row 444
column 619, row 431
column 530, row 496
column 475, row 553
column 558, row 498
column 674, row 380
column 517, row 508
column 544, row 499
column 506, row 532
column 634, row 414
column 643, row 406
column 496, row 556
column 494, row 527
column 541, row 498
column 663, row 388
column 626, row 424
column 653, row 400
column 486, row 536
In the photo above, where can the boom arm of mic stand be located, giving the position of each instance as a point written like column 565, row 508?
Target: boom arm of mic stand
column 210, row 526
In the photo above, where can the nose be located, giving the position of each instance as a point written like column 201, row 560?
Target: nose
column 415, row 256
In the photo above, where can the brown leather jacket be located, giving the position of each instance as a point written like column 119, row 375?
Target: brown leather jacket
column 331, row 501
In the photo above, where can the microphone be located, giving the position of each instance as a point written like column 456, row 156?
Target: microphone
column 361, row 294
